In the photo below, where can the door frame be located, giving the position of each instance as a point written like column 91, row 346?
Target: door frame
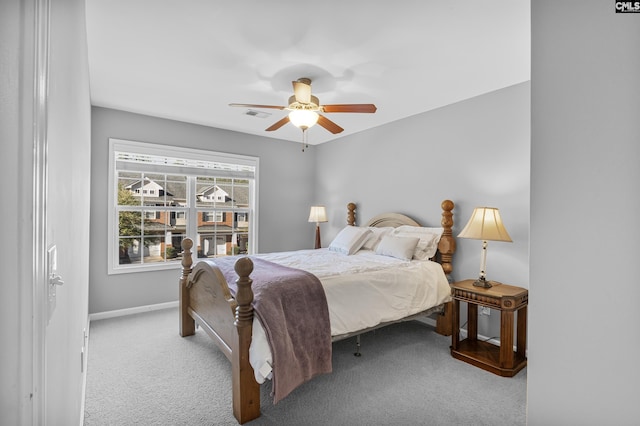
column 39, row 178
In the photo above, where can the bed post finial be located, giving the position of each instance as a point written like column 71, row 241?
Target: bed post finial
column 187, row 244
column 351, row 214
column 244, row 295
column 187, row 324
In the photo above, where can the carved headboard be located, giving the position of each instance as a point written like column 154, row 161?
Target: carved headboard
column 447, row 244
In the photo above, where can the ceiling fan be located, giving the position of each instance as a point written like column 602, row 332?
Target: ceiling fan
column 305, row 109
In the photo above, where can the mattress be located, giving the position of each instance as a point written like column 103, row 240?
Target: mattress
column 363, row 290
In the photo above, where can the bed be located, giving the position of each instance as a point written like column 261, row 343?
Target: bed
column 220, row 296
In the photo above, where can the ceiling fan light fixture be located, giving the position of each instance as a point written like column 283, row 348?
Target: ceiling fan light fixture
column 304, row 109
column 303, row 118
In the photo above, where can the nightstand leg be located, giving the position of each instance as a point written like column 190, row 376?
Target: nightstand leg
column 506, row 339
column 472, row 321
column 522, row 332
column 455, row 320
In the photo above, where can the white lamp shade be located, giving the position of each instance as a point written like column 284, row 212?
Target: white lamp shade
column 318, row 214
column 303, row 118
column 485, row 224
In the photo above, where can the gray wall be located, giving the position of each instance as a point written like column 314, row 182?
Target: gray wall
column 475, row 153
column 585, row 199
column 492, row 132
column 56, row 349
column 285, row 195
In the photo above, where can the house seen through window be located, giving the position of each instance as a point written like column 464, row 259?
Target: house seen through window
column 160, row 195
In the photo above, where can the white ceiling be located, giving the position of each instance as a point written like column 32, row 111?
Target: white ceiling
column 187, row 60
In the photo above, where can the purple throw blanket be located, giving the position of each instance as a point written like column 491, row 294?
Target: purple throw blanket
column 292, row 307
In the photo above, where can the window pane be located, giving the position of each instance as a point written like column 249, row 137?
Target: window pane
column 241, row 222
column 213, row 244
column 240, row 197
column 208, row 217
column 129, row 188
column 242, row 243
column 208, row 193
column 178, row 221
column 152, row 250
column 129, row 251
column 129, row 223
column 176, row 190
column 173, row 246
column 153, row 192
column 156, row 226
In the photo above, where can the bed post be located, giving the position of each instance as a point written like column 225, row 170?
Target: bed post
column 446, row 247
column 246, row 391
column 187, row 324
column 447, row 244
column 351, row 214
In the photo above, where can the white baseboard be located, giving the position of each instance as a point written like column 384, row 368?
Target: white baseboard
column 131, row 311
column 463, row 332
column 492, row 340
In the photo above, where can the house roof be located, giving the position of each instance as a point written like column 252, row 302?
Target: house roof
column 176, row 194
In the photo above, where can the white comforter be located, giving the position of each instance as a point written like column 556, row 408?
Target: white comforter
column 363, row 290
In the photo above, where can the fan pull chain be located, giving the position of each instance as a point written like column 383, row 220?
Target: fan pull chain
column 305, row 143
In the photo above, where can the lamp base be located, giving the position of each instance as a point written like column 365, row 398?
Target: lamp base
column 482, row 282
column 318, row 244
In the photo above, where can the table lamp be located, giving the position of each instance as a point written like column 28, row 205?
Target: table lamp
column 318, row 214
column 485, row 224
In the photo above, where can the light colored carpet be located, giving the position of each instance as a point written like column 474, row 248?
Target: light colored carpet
column 141, row 372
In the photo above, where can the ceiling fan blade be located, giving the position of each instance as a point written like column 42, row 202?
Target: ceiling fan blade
column 370, row 108
column 329, row 125
column 302, row 90
column 257, row 106
column 278, row 124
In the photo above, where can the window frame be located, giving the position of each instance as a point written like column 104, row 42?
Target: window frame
column 183, row 153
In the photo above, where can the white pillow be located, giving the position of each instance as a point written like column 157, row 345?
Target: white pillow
column 376, row 235
column 400, row 247
column 349, row 240
column 429, row 239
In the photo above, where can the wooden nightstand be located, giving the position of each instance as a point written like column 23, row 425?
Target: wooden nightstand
column 507, row 299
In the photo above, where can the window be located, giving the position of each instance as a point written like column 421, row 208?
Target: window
column 162, row 194
column 216, row 216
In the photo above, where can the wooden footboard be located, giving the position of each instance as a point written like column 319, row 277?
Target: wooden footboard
column 205, row 298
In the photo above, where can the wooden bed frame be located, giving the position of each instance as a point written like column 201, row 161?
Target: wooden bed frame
column 205, row 299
